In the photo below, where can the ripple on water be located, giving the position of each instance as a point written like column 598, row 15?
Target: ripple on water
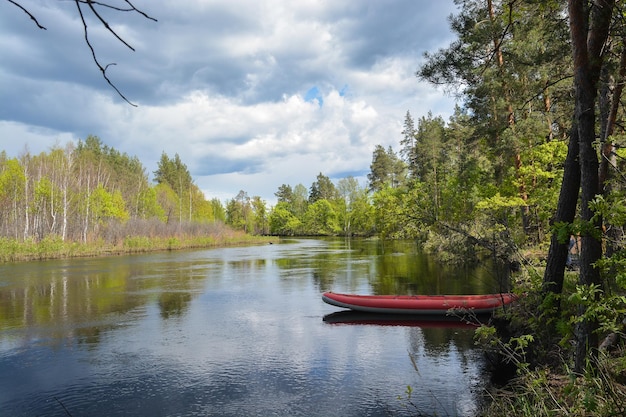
column 247, row 340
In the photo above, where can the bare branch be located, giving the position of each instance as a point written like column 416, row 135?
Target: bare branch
column 92, row 6
column 28, row 13
column 104, row 22
column 93, row 53
column 131, row 8
column 139, row 11
column 544, row 89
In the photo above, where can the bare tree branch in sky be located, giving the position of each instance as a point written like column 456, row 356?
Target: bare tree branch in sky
column 90, row 6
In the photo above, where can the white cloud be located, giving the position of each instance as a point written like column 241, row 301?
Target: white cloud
column 223, row 84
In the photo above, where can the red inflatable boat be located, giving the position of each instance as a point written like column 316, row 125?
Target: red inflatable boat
column 419, row 304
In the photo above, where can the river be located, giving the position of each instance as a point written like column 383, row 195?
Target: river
column 233, row 332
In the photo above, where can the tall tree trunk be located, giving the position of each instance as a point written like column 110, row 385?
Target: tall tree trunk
column 547, row 109
column 587, row 45
column 608, row 148
column 26, row 162
column 565, row 213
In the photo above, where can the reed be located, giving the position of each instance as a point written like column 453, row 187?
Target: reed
column 542, row 393
column 13, row 250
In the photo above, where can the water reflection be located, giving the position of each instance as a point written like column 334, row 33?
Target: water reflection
column 235, row 331
column 347, row 317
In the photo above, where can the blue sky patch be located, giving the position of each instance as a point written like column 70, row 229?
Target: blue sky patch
column 314, row 94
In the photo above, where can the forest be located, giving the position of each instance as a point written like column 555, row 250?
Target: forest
column 531, row 160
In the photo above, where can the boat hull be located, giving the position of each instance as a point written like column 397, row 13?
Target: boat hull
column 419, row 304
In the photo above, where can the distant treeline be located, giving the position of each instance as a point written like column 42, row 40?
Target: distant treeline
column 447, row 187
column 88, row 191
column 440, row 189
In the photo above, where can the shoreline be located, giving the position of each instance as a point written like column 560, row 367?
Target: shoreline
column 12, row 250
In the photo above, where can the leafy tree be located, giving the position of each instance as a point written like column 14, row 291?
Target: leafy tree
column 347, row 188
column 61, row 167
column 511, row 61
column 172, row 172
column 386, row 169
column 362, row 214
column 201, row 210
column 148, row 206
column 12, row 187
column 408, row 149
column 107, row 206
column 296, row 198
column 321, row 219
column 284, row 194
column 219, row 213
column 175, row 174
column 261, row 220
column 322, row 189
column 589, row 32
column 429, row 160
column 470, row 170
column 125, row 173
column 282, row 221
column 168, row 201
column 387, row 213
column 354, row 208
column 90, row 192
column 239, row 212
column 300, row 200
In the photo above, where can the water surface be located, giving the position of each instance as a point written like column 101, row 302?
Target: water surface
column 232, row 332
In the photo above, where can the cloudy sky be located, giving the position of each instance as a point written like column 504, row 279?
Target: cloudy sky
column 250, row 94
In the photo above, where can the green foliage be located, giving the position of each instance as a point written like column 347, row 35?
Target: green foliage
column 248, row 214
column 431, row 151
column 148, row 206
column 168, row 200
column 239, row 212
column 283, row 222
column 12, row 180
column 386, row 169
column 408, row 149
column 498, row 203
column 284, row 194
column 615, row 267
column 105, row 205
column 611, row 208
column 261, row 216
column 540, row 392
column 219, row 213
column 134, row 243
column 321, row 219
column 173, row 173
column 354, row 208
column 89, row 192
column 513, row 350
column 563, row 231
column 348, row 211
column 322, row 189
column 387, row 206
column 606, row 310
column 361, row 215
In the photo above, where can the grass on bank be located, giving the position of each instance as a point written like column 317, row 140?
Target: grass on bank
column 53, row 247
column 540, row 348
column 600, row 391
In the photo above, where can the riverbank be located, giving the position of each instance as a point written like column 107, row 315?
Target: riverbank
column 532, row 345
column 13, row 250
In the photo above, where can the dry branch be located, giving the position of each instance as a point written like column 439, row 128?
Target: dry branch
column 92, row 7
